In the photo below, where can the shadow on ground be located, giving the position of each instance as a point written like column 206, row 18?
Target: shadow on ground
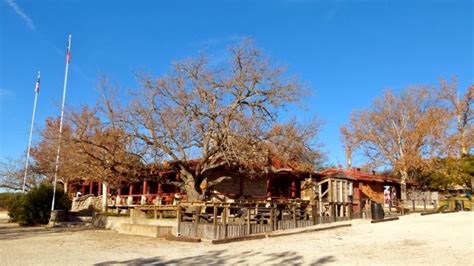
column 220, row 257
column 13, row 231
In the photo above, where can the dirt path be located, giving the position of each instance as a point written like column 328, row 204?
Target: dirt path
column 435, row 239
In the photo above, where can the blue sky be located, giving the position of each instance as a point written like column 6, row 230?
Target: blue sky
column 347, row 52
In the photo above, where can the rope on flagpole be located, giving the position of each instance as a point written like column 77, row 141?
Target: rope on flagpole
column 61, row 122
column 31, row 131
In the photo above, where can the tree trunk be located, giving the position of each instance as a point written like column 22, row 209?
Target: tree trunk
column 190, row 185
column 403, row 185
column 463, row 143
column 104, row 197
column 348, row 158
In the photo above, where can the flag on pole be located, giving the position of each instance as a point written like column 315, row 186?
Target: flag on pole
column 68, row 59
column 68, row 55
column 37, row 83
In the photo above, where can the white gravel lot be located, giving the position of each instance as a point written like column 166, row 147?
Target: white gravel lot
column 441, row 239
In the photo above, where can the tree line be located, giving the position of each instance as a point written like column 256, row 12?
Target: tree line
column 422, row 133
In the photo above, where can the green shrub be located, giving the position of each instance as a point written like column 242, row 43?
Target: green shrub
column 34, row 207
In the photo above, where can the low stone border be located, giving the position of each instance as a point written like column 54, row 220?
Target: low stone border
column 385, row 220
column 449, row 211
column 308, row 230
column 428, row 213
column 182, row 239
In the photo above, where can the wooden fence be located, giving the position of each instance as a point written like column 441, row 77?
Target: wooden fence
column 219, row 221
column 220, row 231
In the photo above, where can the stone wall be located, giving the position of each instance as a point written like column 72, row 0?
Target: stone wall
column 89, row 203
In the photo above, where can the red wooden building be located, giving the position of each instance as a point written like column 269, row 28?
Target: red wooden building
column 367, row 186
column 242, row 185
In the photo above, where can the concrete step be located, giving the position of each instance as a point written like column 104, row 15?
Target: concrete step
column 145, row 230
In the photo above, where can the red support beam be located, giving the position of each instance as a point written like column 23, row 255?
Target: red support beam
column 130, row 189
column 160, row 189
column 91, row 184
column 144, row 187
column 83, row 189
column 268, row 187
column 293, row 188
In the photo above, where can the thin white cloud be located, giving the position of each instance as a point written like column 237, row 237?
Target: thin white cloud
column 4, row 92
column 21, row 13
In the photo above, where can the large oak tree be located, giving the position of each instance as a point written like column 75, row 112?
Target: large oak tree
column 215, row 114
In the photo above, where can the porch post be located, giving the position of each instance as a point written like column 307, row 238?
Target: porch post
column 99, row 188
column 293, row 188
column 91, row 184
column 144, row 187
column 130, row 189
column 269, row 192
column 103, row 187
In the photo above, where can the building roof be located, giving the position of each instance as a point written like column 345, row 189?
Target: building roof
column 358, row 175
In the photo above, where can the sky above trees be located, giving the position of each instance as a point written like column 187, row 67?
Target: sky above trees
column 346, row 52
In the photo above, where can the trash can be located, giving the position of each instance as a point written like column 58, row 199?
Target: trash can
column 377, row 211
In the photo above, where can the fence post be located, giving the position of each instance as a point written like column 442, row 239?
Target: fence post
column 424, row 204
column 351, row 211
column 248, row 221
column 214, row 221
column 275, row 217
column 224, row 221
column 214, row 215
column 271, row 218
column 294, row 215
column 196, row 220
column 178, row 217
column 413, row 201
column 369, row 209
column 314, row 213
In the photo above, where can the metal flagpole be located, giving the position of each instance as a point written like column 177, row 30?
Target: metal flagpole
column 37, row 85
column 68, row 58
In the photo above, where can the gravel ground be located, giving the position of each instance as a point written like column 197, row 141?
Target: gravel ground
column 441, row 239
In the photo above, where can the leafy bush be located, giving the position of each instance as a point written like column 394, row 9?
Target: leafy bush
column 35, row 206
column 5, row 199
